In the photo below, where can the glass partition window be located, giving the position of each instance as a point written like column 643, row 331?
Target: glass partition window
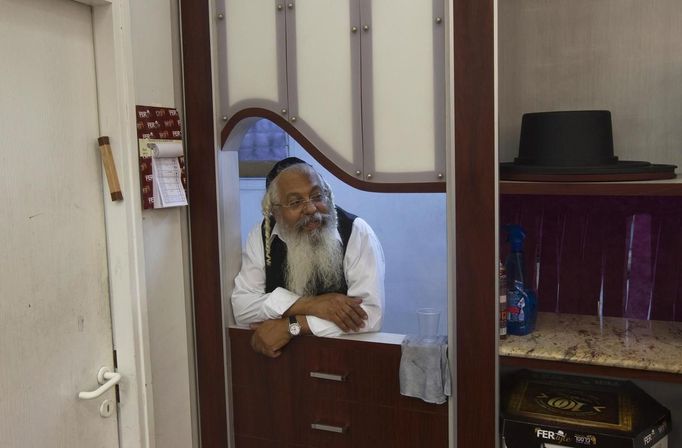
column 263, row 144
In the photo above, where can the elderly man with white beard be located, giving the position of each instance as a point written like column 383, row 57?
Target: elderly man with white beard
column 309, row 267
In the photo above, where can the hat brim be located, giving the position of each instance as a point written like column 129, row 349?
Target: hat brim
column 624, row 170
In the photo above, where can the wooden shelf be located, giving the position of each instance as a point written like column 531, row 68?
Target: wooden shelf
column 610, row 346
column 668, row 187
column 590, row 369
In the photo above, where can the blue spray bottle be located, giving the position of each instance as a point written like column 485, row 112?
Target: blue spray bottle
column 521, row 299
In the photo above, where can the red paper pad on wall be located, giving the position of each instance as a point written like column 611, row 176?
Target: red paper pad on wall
column 156, row 124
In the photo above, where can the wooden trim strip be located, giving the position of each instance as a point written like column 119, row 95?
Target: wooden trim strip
column 590, row 369
column 655, row 188
column 195, row 17
column 476, row 266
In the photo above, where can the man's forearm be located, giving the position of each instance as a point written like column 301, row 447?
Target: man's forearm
column 300, row 308
column 344, row 312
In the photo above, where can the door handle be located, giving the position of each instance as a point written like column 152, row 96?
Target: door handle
column 328, row 376
column 107, row 378
column 328, row 428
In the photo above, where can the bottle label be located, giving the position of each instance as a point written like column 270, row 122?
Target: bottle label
column 516, row 303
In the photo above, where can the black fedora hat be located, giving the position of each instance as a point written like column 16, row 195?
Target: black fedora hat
column 574, row 146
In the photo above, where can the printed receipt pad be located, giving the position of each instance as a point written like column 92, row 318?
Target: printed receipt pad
column 167, row 183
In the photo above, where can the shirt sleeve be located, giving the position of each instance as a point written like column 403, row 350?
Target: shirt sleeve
column 250, row 302
column 364, row 268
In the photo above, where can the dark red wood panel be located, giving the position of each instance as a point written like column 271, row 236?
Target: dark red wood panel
column 195, row 17
column 277, row 400
column 253, row 442
column 267, row 394
column 550, row 257
column 591, row 369
column 427, row 432
column 580, row 268
column 667, row 242
column 591, row 267
column 570, row 259
column 678, row 302
column 626, row 250
column 616, row 234
column 332, row 413
column 631, row 189
column 477, row 323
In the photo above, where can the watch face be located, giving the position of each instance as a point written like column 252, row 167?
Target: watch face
column 295, row 329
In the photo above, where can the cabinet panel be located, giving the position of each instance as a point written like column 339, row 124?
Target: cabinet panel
column 253, row 63
column 324, row 77
column 371, row 425
column 327, row 370
column 369, row 371
column 422, row 429
column 363, row 81
column 364, row 425
column 403, row 89
column 278, row 399
column 252, row 442
column 333, row 418
column 267, row 393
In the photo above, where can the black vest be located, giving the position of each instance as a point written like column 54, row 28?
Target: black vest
column 274, row 274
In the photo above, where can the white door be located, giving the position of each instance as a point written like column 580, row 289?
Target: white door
column 55, row 324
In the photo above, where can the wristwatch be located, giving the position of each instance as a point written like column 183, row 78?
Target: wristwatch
column 294, row 326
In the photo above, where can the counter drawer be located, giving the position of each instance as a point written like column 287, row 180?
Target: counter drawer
column 350, row 370
column 345, row 424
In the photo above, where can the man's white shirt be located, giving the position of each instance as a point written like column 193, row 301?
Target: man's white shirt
column 363, row 266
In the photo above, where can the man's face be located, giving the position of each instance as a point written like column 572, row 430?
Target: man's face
column 301, row 186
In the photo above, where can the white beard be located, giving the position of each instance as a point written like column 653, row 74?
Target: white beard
column 314, row 259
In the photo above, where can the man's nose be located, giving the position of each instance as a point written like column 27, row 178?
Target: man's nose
column 309, row 207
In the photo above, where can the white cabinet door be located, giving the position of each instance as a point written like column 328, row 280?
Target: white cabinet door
column 403, row 90
column 323, row 57
column 55, row 324
column 362, row 80
column 252, row 62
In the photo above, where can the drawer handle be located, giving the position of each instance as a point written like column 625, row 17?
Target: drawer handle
column 328, row 428
column 328, row 376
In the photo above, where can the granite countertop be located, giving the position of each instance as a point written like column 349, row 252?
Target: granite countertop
column 609, row 341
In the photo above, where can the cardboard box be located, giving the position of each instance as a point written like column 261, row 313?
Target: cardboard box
column 544, row 410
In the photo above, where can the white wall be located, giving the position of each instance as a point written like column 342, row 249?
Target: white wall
column 157, row 83
column 412, row 231
column 621, row 55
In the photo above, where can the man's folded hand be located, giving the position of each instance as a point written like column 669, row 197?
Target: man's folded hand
column 344, row 311
column 270, row 337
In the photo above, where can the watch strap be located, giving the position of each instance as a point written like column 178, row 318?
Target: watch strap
column 294, row 326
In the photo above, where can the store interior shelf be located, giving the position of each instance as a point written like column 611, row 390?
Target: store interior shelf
column 607, row 346
column 667, row 187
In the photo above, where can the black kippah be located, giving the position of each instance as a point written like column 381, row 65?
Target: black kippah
column 279, row 166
